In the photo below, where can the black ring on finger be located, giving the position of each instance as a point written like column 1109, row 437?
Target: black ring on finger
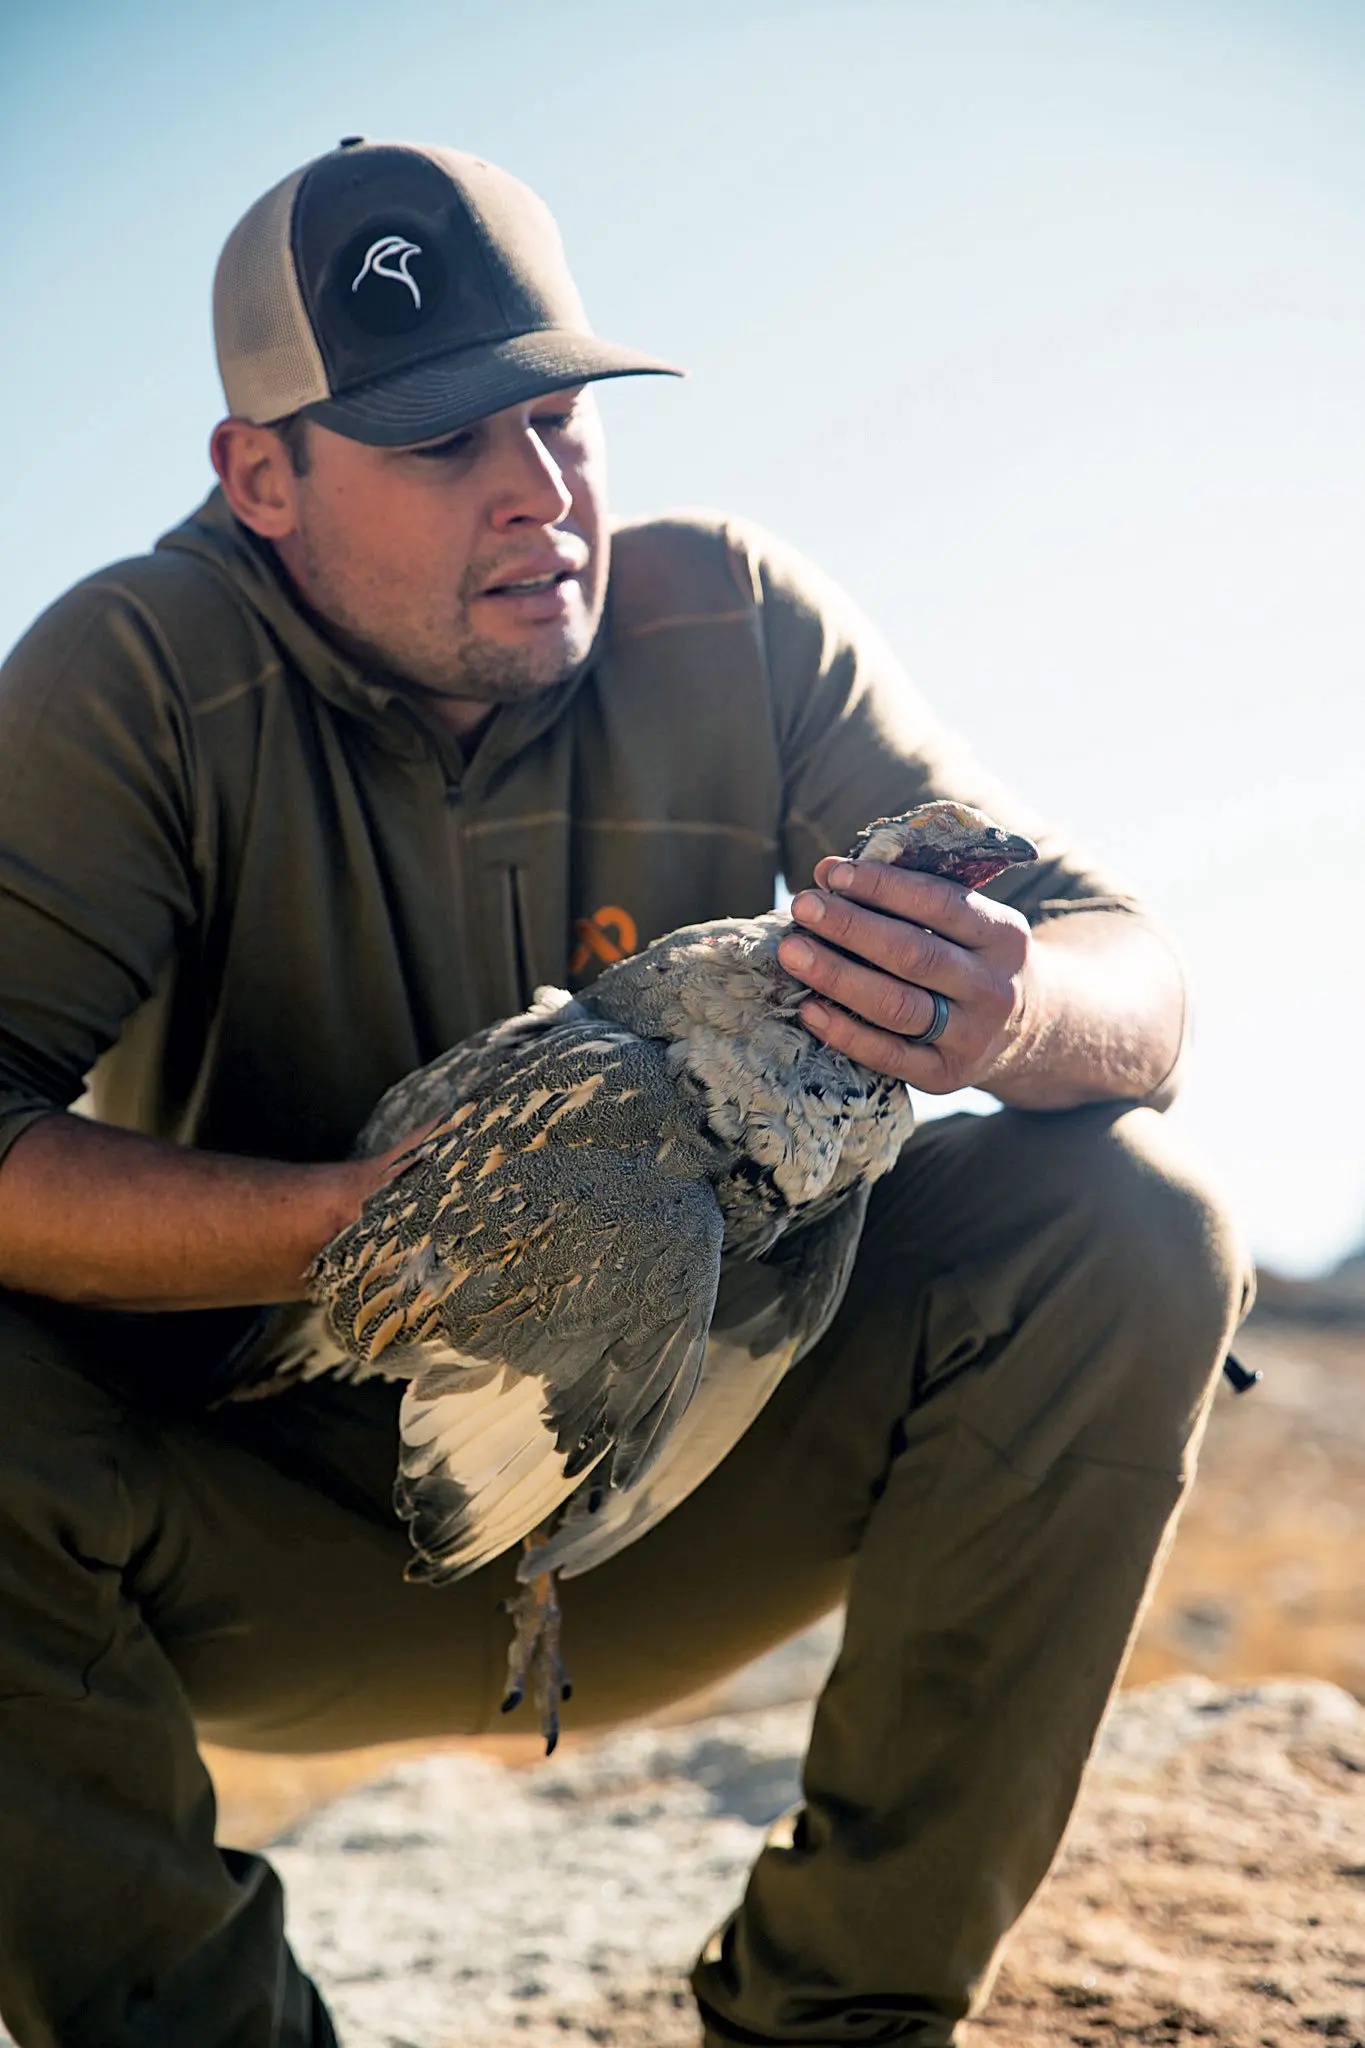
column 938, row 1023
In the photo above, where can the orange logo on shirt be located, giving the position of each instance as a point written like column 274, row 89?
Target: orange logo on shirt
column 609, row 934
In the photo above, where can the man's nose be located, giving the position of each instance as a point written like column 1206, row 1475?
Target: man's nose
column 532, row 487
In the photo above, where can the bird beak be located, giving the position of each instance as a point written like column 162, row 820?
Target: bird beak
column 1018, row 850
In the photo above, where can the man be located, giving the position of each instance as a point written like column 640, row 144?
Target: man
column 392, row 729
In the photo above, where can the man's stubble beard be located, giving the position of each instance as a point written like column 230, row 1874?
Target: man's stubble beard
column 466, row 665
column 486, row 672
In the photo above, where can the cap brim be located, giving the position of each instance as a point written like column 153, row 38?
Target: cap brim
column 452, row 391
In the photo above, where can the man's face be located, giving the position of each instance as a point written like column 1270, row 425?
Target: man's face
column 476, row 566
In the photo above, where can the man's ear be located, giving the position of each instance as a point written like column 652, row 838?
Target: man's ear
column 257, row 476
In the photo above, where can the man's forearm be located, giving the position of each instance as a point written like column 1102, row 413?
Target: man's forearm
column 1103, row 1020
column 100, row 1216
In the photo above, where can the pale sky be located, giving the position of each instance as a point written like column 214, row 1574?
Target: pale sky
column 1040, row 325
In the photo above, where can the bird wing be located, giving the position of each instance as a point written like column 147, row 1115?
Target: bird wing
column 769, row 1312
column 542, row 1272
column 292, row 1342
column 580, row 1355
column 464, row 1072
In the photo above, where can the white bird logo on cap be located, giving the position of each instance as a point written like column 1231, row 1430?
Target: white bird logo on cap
column 401, row 251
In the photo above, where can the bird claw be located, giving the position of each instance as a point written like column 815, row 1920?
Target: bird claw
column 534, row 1659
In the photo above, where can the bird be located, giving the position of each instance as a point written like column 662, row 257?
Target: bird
column 629, row 1213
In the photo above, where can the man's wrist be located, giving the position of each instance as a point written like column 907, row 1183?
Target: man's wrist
column 349, row 1184
column 1025, row 1051
column 1101, row 1018
column 346, row 1187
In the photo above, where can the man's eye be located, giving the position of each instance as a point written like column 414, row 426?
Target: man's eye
column 553, row 422
column 439, row 451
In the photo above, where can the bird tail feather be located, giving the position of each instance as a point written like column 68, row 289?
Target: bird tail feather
column 481, row 1467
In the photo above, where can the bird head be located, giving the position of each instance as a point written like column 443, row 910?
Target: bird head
column 944, row 839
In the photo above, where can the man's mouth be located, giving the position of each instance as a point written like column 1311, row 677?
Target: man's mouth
column 530, row 582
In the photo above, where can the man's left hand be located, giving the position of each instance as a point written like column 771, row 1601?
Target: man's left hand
column 910, row 934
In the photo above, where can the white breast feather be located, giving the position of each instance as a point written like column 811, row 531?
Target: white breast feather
column 807, row 1114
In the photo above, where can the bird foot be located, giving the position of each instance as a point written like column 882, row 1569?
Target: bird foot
column 534, row 1661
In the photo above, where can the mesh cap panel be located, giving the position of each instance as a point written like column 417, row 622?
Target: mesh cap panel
column 267, row 357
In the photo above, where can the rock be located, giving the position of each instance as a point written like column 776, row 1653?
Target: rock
column 1212, row 1887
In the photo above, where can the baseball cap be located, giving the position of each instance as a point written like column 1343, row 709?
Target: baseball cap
column 396, row 292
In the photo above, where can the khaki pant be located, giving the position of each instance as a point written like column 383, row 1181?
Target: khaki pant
column 983, row 1456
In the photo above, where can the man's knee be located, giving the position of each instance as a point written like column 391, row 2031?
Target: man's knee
column 1089, row 1237
column 1126, row 1290
column 1155, row 1224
